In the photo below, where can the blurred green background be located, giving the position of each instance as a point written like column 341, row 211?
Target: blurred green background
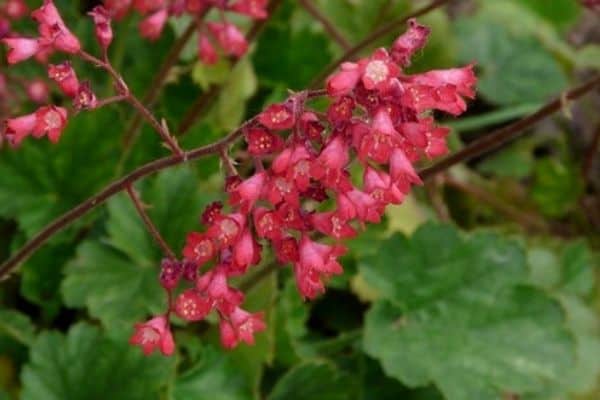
column 482, row 285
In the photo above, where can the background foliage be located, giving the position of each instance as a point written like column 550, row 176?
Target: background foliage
column 483, row 285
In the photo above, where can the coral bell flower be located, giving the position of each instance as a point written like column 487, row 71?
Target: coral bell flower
column 256, row 9
column 262, row 142
column 53, row 30
column 19, row 128
column 241, row 326
column 117, row 8
column 154, row 334
column 64, row 75
column 20, row 49
column 246, row 251
column 190, row 305
column 51, row 121
column 343, row 82
column 248, row 192
column 152, row 26
column 378, row 71
column 199, row 248
column 206, row 51
column 231, row 40
column 103, row 29
column 409, row 42
column 317, row 261
column 277, row 117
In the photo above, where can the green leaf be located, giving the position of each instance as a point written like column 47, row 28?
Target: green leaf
column 215, row 377
column 561, row 13
column 314, row 380
column 40, row 180
column 84, row 365
column 116, row 278
column 41, row 277
column 16, row 325
column 557, row 187
column 514, row 68
column 515, row 161
column 240, row 86
column 459, row 317
column 289, row 58
column 250, row 360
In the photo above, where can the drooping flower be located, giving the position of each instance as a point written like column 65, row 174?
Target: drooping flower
column 20, row 49
column 154, row 334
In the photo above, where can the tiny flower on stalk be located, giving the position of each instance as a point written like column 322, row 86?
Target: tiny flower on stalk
column 154, row 334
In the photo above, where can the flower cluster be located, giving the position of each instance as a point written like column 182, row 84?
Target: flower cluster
column 328, row 175
column 54, row 36
column 222, row 34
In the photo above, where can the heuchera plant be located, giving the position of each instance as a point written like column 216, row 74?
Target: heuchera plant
column 318, row 177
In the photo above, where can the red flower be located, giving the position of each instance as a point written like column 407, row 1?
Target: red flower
column 64, row 75
column 191, row 306
column 231, row 40
column 409, row 42
column 330, row 223
column 154, row 334
column 317, row 261
column 248, row 192
column 199, row 248
column 206, row 51
column 267, row 223
column 170, row 273
column 117, row 8
column 152, row 26
column 225, row 231
column 286, row 250
column 213, row 285
column 51, row 121
column 53, row 30
column 277, row 117
column 146, row 6
column 246, row 251
column 378, row 71
column 256, row 9
column 19, row 128
column 262, row 142
column 241, row 326
column 103, row 29
column 344, row 81
column 20, row 49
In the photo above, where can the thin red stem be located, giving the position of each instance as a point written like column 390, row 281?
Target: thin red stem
column 131, row 99
column 152, row 229
column 159, row 80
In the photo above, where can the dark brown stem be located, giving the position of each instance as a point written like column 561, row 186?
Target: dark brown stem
column 148, row 169
column 131, row 99
column 159, row 80
column 110, row 100
column 500, row 136
column 375, row 35
column 588, row 160
column 327, row 24
column 152, row 229
column 206, row 99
